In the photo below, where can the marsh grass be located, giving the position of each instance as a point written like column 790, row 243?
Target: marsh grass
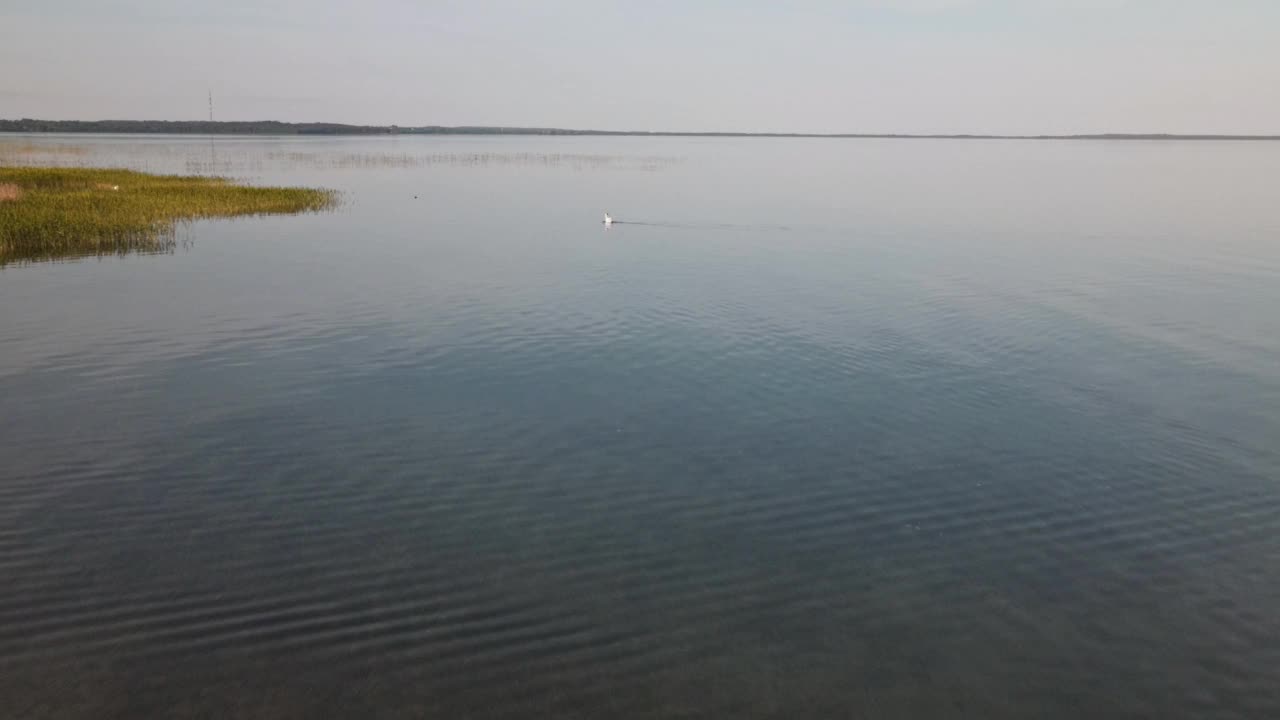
column 66, row 212
column 294, row 160
column 44, row 154
column 30, row 148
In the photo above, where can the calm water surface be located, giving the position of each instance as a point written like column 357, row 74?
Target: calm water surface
column 822, row 429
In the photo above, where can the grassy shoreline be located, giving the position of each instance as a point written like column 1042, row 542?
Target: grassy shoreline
column 50, row 213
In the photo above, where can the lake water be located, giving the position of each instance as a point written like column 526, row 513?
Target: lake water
column 822, row 428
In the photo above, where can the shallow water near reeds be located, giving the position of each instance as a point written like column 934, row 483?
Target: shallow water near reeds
column 820, row 428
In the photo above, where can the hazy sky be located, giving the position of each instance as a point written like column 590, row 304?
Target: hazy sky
column 996, row 66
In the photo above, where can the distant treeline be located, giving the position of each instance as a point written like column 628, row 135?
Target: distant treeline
column 265, row 127
column 193, row 127
column 273, row 127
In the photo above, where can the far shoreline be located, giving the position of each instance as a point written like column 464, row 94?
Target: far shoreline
column 275, row 128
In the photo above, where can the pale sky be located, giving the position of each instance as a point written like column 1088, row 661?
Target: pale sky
column 914, row 66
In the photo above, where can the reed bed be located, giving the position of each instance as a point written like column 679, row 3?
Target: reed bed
column 30, row 148
column 49, row 213
column 46, row 154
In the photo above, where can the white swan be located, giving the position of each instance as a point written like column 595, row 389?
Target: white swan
column 607, row 220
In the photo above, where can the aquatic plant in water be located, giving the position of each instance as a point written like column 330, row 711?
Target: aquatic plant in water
column 49, row 213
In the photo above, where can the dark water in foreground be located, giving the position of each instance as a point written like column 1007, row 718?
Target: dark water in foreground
column 836, row 429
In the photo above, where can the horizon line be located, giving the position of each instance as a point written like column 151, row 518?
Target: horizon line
column 280, row 127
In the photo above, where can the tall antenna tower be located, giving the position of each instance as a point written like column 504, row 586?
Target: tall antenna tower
column 210, row 105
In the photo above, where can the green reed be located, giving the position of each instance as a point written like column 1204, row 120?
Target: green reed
column 49, row 213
